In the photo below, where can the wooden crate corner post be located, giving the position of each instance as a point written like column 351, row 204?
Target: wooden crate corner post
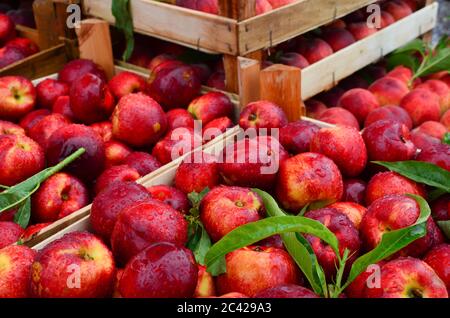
column 45, row 16
column 238, row 10
column 281, row 84
column 94, row 40
column 249, row 72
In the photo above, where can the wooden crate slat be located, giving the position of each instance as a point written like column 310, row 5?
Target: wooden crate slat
column 190, row 28
column 325, row 74
column 38, row 65
column 284, row 23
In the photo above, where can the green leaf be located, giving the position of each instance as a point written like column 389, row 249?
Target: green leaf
column 446, row 139
column 124, row 22
column 217, row 268
column 402, row 59
column 414, row 46
column 304, row 210
column 19, row 193
column 443, row 43
column 440, row 61
column 195, row 198
column 422, row 172
column 392, row 242
column 22, row 217
column 299, row 249
column 200, row 244
column 445, row 227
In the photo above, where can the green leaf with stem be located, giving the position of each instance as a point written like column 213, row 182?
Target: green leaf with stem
column 391, row 242
column 17, row 194
column 299, row 249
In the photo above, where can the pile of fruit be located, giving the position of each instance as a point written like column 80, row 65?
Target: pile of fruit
column 126, row 134
column 13, row 48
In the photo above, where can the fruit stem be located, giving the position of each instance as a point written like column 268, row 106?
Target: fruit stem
column 337, row 289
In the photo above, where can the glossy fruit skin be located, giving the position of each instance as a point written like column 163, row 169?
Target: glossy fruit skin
column 49, row 90
column 438, row 154
column 191, row 177
column 144, row 223
column 138, row 120
column 253, row 269
column 211, row 106
column 143, row 162
column 262, row 114
column 20, row 158
column 225, row 208
column 50, row 273
column 110, row 202
column 121, row 173
column 387, row 183
column 32, row 118
column 126, row 83
column 394, row 212
column 252, row 162
column 439, row 258
column 421, row 105
column 77, row 68
column 296, row 137
column 162, row 270
column 345, row 146
column 346, row 233
column 15, row 271
column 43, row 130
column 389, row 90
column 407, row 277
column 339, row 116
column 90, row 99
column 70, row 138
column 440, row 209
column 170, row 196
column 389, row 112
column 10, row 107
column 388, row 141
column 57, row 197
column 179, row 117
column 286, row 291
column 360, row 102
column 338, row 38
column 62, row 106
column 316, row 174
column 10, row 233
column 174, row 84
column 9, row 128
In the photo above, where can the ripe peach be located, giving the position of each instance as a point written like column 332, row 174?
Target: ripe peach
column 438, row 154
column 421, row 105
column 49, row 90
column 116, row 153
column 62, row 106
column 57, row 197
column 402, row 73
column 103, row 129
column 211, row 106
column 352, row 210
column 445, row 119
column 138, row 120
column 179, row 117
column 8, row 128
column 441, row 89
column 43, row 130
column 143, row 162
column 170, row 196
column 294, row 59
column 338, row 38
column 308, row 178
column 360, row 30
column 17, row 97
column 315, row 108
column 296, row 137
column 389, row 90
column 10, row 233
column 216, row 127
column 344, row 145
column 122, row 173
column 339, row 116
column 433, row 129
column 314, row 49
column 126, row 83
column 262, row 114
column 397, row 8
column 77, row 68
column 438, row 258
column 387, row 183
column 389, row 112
column 354, row 191
column 33, row 118
column 360, row 102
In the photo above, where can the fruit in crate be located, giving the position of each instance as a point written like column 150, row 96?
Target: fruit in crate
column 262, row 114
column 247, row 270
column 49, row 90
column 77, row 68
column 10, row 233
column 225, row 208
column 109, row 203
column 15, row 267
column 20, row 158
column 90, row 99
column 211, row 106
column 65, row 140
column 17, row 97
column 78, row 265
column 162, row 270
column 138, row 120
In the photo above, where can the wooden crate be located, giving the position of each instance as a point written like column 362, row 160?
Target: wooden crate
column 165, row 175
column 219, row 34
column 54, row 53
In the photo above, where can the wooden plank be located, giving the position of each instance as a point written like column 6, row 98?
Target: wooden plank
column 326, row 73
column 190, row 28
column 284, row 23
column 44, row 15
column 281, row 84
column 248, row 74
column 40, row 64
column 94, row 43
column 29, row 33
